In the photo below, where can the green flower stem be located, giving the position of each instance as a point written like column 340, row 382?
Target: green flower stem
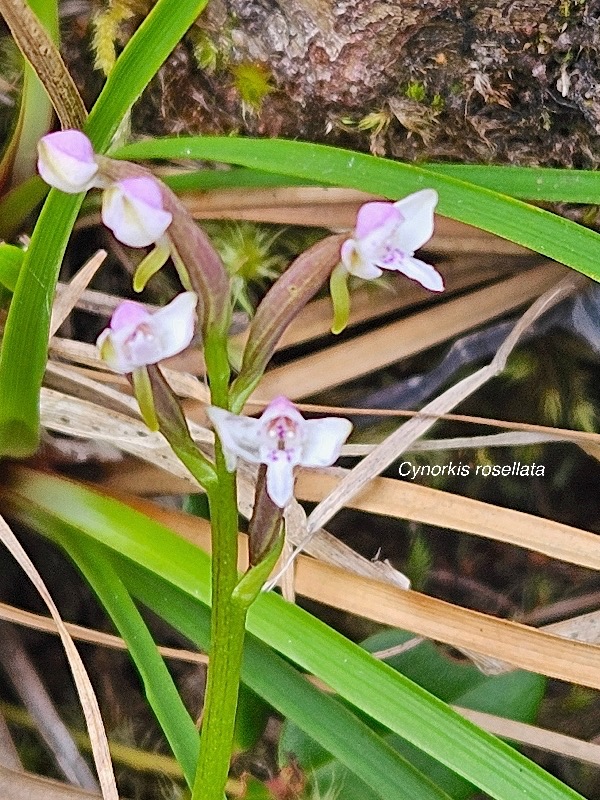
column 228, row 617
column 217, row 364
column 227, row 640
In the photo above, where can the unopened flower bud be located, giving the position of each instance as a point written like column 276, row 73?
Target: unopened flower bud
column 133, row 209
column 66, row 161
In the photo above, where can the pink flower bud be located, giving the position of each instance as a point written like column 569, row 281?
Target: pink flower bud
column 282, row 439
column 386, row 237
column 137, row 338
column 66, row 161
column 133, row 209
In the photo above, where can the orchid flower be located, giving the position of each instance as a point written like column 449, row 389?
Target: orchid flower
column 67, row 162
column 386, row 237
column 133, row 209
column 282, row 439
column 137, row 338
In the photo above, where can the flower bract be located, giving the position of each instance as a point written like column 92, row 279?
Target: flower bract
column 386, row 237
column 133, row 209
column 282, row 439
column 66, row 161
column 137, row 337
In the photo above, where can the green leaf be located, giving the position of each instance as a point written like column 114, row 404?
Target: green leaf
column 373, row 687
column 207, row 179
column 336, row 728
column 541, row 184
column 141, row 59
column 11, row 260
column 250, row 720
column 25, row 342
column 516, row 695
column 267, row 675
column 19, row 203
column 95, row 562
column 532, row 227
column 24, row 347
column 529, row 183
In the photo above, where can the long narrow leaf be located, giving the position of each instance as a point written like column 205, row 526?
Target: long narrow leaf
column 375, row 688
column 321, row 716
column 95, row 563
column 336, row 728
column 529, row 183
column 532, row 227
column 541, row 184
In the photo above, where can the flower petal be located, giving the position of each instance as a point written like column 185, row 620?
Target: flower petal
column 239, row 435
column 417, row 227
column 280, row 481
column 423, row 273
column 281, row 407
column 133, row 210
column 323, row 441
column 129, row 313
column 173, row 326
column 374, row 217
column 355, row 262
column 66, row 161
column 113, row 356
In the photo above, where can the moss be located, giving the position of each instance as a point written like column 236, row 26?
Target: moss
column 253, row 83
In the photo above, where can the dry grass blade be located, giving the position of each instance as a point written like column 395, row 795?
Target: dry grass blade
column 371, row 302
column 516, row 731
column 517, row 644
column 82, row 634
column 514, row 439
column 41, row 52
column 584, row 628
column 18, row 785
column 79, row 417
column 76, row 417
column 395, row 444
column 535, row 737
column 333, row 208
column 69, row 295
column 84, row 688
column 390, row 343
column 31, row 689
column 138, row 760
column 411, row 501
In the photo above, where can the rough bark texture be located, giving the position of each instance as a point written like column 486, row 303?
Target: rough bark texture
column 505, row 81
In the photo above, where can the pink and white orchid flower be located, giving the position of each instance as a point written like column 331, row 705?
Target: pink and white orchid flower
column 282, row 439
column 137, row 337
column 386, row 237
column 133, row 209
column 67, row 162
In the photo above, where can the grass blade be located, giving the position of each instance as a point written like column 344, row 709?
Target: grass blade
column 371, row 686
column 532, row 227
